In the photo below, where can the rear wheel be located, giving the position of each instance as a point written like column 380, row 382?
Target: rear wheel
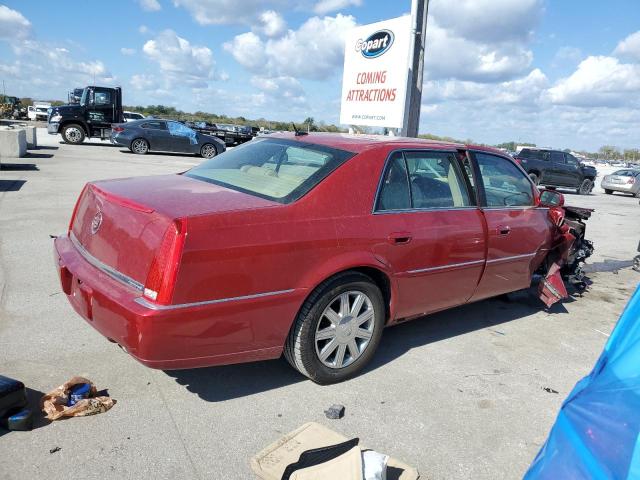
column 140, row 146
column 585, row 187
column 337, row 329
column 73, row 134
column 208, row 150
column 607, row 191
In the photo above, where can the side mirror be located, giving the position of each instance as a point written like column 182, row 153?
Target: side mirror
column 551, row 198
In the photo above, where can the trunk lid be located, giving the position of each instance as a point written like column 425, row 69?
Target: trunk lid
column 122, row 223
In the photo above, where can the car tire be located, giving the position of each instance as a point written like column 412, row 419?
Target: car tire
column 608, row 192
column 585, row 187
column 73, row 134
column 139, row 146
column 208, row 150
column 326, row 331
column 534, row 178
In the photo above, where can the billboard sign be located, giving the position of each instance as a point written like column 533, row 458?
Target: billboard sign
column 376, row 68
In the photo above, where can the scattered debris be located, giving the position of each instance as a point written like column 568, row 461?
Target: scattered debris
column 550, row 390
column 335, row 412
column 605, row 334
column 55, row 449
column 496, row 331
column 75, row 398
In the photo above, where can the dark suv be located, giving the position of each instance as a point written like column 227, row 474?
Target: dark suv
column 557, row 169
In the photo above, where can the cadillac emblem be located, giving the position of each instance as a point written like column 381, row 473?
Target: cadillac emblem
column 96, row 222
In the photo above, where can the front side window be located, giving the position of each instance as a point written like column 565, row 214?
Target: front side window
column 276, row 169
column 102, row 98
column 534, row 154
column 571, row 160
column 504, row 184
column 180, row 129
column 557, row 157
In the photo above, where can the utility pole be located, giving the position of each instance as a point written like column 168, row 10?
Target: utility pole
column 419, row 11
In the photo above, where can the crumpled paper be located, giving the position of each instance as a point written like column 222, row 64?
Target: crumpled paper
column 54, row 403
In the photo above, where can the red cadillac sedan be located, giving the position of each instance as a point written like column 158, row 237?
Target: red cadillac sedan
column 303, row 245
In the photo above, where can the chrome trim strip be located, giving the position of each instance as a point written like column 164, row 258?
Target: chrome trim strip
column 430, row 209
column 515, row 257
column 444, row 267
column 154, row 306
column 116, row 275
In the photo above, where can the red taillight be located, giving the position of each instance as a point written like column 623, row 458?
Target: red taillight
column 631, row 181
column 117, row 129
column 75, row 209
column 163, row 273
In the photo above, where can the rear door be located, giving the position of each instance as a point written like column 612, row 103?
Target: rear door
column 518, row 232
column 157, row 134
column 432, row 231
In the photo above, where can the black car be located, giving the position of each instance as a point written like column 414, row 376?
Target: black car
column 142, row 136
column 556, row 168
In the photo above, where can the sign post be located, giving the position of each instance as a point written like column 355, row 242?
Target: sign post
column 419, row 11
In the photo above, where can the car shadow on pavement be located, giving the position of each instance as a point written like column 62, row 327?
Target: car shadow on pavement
column 19, row 166
column 99, row 144
column 216, row 384
column 162, row 154
column 11, row 185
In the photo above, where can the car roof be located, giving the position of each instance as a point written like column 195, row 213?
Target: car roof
column 360, row 143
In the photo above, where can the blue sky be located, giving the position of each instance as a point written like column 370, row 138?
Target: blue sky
column 558, row 73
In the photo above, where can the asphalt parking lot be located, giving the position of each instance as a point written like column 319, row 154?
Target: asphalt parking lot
column 459, row 394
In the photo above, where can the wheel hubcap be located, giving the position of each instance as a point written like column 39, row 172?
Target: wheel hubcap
column 345, row 329
column 208, row 151
column 73, row 134
column 139, row 146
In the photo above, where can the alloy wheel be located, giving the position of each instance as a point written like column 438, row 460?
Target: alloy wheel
column 208, row 151
column 139, row 146
column 345, row 329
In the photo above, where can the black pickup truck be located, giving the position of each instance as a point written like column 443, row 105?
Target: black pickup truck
column 99, row 107
column 555, row 168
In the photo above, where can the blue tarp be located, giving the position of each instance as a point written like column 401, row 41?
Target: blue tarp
column 596, row 434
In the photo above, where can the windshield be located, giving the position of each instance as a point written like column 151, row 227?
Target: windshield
column 276, row 169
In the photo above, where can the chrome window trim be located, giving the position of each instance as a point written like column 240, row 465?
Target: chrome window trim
column 417, row 210
column 113, row 273
column 154, row 306
column 445, row 267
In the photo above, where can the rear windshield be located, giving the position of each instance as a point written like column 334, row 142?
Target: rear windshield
column 626, row 173
column 274, row 168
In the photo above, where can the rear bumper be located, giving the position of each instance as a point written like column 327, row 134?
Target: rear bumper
column 195, row 335
column 618, row 187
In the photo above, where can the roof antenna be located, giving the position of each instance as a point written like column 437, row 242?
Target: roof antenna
column 298, row 132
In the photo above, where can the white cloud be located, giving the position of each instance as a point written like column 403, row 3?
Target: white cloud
column 298, row 53
column 221, row 12
column 150, row 5
column 143, row 29
column 488, row 21
column 271, row 24
column 451, row 56
column 179, row 60
column 13, row 25
column 599, row 82
column 277, row 89
column 326, row 6
column 143, row 82
column 629, row 48
column 127, row 51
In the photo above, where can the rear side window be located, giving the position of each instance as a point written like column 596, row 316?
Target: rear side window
column 504, row 184
column 422, row 180
column 155, row 125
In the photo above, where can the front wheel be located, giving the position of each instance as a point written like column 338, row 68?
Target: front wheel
column 585, row 187
column 208, row 150
column 337, row 329
column 139, row 146
column 73, row 134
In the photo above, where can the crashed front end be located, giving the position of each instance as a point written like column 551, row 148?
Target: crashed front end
column 570, row 249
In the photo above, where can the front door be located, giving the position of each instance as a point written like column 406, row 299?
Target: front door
column 101, row 108
column 431, row 231
column 182, row 138
column 518, row 231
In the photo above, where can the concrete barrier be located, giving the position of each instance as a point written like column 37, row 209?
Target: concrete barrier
column 32, row 137
column 13, row 143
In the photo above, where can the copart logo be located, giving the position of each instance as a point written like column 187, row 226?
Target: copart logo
column 96, row 222
column 376, row 44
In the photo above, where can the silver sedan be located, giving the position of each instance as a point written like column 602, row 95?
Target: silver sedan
column 627, row 181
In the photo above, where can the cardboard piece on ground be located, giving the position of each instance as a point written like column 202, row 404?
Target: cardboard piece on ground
column 270, row 463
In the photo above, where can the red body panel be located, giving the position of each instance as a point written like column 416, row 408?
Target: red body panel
column 248, row 263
